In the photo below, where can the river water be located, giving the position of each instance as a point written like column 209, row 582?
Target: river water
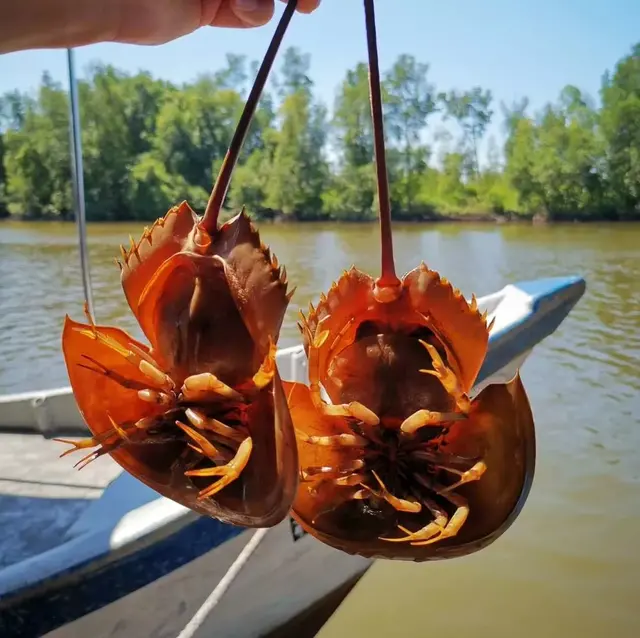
column 570, row 565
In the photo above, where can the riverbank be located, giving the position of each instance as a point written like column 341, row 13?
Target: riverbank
column 452, row 218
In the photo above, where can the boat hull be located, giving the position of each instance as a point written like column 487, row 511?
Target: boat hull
column 136, row 564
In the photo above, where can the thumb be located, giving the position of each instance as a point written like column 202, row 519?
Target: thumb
column 253, row 13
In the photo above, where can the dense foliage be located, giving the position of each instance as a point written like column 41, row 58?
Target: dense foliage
column 149, row 144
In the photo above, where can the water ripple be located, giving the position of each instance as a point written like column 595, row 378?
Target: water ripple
column 575, row 544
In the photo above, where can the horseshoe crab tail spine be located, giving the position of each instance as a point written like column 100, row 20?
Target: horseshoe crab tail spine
column 220, row 188
column 388, row 279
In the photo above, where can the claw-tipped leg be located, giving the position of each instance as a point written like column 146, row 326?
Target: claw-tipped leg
column 135, row 355
column 109, row 440
column 335, row 440
column 207, row 387
column 84, row 444
column 441, row 527
column 455, row 523
column 202, row 444
column 430, row 530
column 474, row 474
column 228, row 473
column 422, row 418
column 447, row 377
column 267, row 370
column 399, row 504
column 117, row 435
column 334, row 472
column 220, row 430
column 354, row 409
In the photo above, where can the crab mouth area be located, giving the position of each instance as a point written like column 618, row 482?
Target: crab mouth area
column 399, row 489
column 370, row 328
column 203, row 446
column 389, row 477
column 194, row 437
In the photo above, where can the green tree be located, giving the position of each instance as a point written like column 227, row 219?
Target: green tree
column 409, row 100
column 352, row 191
column 37, row 159
column 472, row 110
column 149, row 144
column 299, row 169
column 4, row 212
column 620, row 118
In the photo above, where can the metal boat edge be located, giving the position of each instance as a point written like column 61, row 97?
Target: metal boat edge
column 149, row 538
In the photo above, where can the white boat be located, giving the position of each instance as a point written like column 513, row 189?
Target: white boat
column 135, row 564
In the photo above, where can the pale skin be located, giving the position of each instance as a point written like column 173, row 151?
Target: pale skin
column 39, row 24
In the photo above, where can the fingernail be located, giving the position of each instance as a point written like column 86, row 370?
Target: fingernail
column 246, row 6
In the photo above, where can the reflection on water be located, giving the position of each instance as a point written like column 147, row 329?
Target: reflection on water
column 569, row 566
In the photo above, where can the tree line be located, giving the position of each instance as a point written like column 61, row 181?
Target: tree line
column 149, row 144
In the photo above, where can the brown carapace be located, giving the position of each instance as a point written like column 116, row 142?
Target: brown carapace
column 403, row 463
column 200, row 415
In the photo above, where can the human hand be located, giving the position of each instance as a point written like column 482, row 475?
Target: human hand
column 250, row 13
column 159, row 21
column 37, row 24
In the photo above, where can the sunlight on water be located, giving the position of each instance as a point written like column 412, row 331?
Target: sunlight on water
column 569, row 566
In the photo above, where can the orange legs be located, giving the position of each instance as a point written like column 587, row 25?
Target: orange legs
column 354, row 409
column 228, row 447
column 414, row 466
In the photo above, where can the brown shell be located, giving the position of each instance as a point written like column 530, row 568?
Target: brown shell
column 501, row 431
column 159, row 272
column 208, row 305
column 374, row 353
column 426, row 300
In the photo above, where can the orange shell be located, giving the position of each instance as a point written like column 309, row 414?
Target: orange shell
column 501, row 431
column 159, row 272
column 209, row 306
column 427, row 300
column 390, row 488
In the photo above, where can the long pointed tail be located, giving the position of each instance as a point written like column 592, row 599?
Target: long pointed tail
column 388, row 284
column 220, row 188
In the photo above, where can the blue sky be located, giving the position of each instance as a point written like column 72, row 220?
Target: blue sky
column 513, row 47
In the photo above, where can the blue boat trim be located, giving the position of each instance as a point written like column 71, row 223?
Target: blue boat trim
column 542, row 288
column 66, row 598
column 62, row 599
column 561, row 292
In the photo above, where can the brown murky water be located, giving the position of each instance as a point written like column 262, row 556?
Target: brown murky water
column 570, row 565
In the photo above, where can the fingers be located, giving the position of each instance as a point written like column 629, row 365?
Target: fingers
column 237, row 14
column 306, row 6
column 245, row 14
